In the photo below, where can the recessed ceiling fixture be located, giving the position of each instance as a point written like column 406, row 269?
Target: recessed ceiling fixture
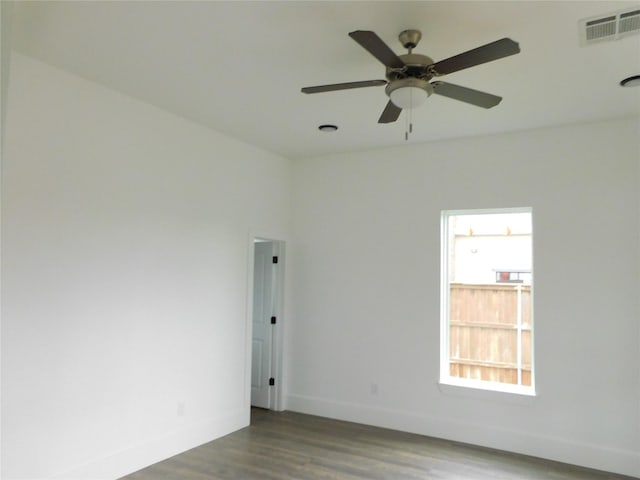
column 633, row 81
column 328, row 128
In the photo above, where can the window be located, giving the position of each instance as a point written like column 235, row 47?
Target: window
column 487, row 321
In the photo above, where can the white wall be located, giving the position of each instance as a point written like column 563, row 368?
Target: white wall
column 125, row 258
column 366, row 300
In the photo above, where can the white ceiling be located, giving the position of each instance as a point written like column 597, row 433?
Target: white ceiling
column 238, row 66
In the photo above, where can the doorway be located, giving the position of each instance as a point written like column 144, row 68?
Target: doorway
column 266, row 337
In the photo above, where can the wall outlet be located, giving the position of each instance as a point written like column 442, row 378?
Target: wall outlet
column 180, row 409
column 374, row 388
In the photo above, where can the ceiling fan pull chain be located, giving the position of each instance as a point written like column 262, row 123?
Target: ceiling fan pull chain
column 407, row 118
column 406, row 125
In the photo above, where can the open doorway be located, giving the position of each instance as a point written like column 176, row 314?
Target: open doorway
column 266, row 336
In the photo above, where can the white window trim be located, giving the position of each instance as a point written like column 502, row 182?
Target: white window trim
column 455, row 385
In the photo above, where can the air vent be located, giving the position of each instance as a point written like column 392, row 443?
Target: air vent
column 601, row 28
column 610, row 26
column 629, row 22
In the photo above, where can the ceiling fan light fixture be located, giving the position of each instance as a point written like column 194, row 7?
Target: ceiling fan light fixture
column 408, row 93
column 408, row 97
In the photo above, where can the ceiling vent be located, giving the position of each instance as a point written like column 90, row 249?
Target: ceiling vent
column 610, row 26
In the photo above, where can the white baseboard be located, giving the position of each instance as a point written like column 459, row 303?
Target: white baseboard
column 135, row 458
column 552, row 448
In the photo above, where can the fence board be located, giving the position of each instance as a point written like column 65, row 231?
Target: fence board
column 483, row 332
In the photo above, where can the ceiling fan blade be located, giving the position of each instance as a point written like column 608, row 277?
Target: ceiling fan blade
column 343, row 86
column 486, row 53
column 376, row 47
column 390, row 113
column 464, row 94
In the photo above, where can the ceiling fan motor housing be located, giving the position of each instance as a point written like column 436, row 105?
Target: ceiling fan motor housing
column 411, row 82
column 415, row 65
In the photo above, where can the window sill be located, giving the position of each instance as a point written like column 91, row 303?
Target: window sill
column 476, row 390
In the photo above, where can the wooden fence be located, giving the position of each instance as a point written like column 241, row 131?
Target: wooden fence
column 490, row 332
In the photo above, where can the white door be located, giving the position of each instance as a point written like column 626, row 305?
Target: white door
column 262, row 339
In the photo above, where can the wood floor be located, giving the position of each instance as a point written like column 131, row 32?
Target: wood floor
column 287, row 446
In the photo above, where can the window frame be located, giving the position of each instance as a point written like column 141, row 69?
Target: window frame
column 446, row 379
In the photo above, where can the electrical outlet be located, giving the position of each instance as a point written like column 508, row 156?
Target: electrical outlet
column 374, row 388
column 180, row 409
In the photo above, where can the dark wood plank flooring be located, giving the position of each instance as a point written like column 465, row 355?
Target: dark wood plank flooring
column 288, row 446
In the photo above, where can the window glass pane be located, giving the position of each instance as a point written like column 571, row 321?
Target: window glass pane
column 488, row 277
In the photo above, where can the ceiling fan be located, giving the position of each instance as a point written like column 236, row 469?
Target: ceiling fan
column 408, row 76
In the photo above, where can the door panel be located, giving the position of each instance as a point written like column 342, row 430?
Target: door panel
column 263, row 309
